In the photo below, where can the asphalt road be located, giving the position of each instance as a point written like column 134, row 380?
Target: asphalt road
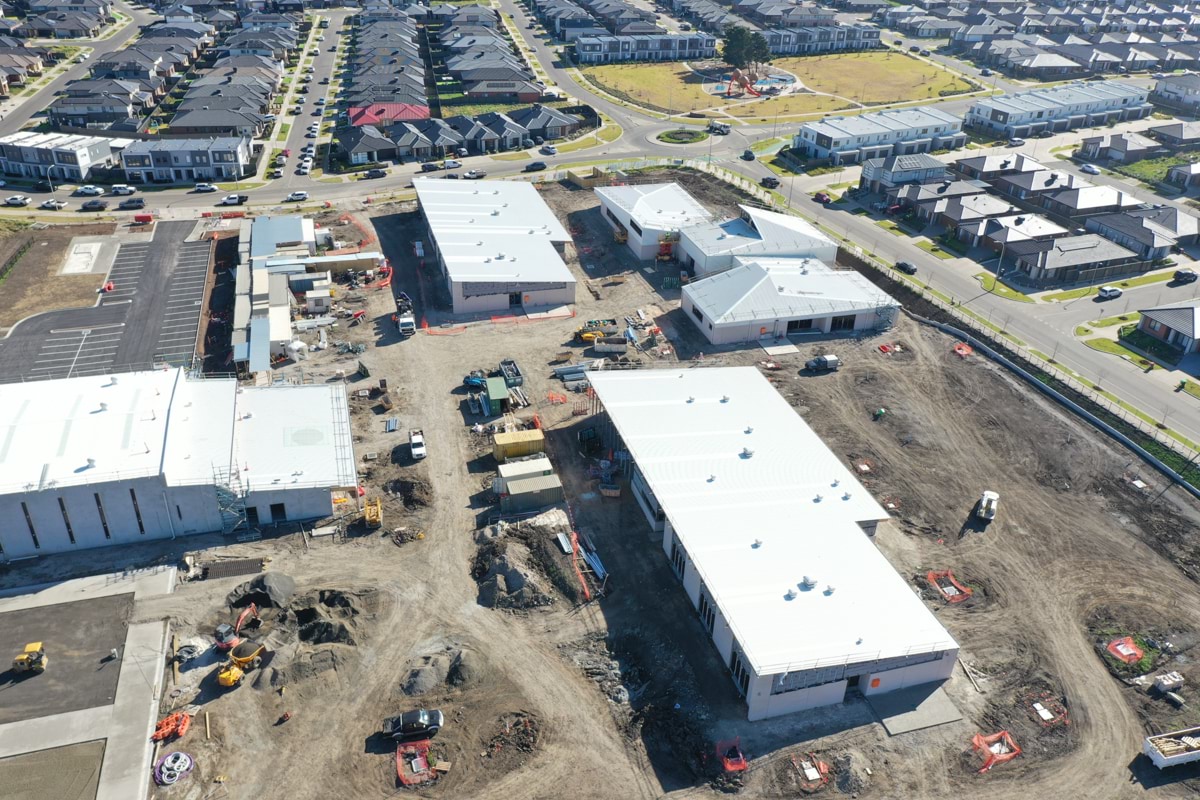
column 152, row 317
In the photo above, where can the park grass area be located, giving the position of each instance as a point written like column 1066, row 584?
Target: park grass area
column 1154, row 170
column 1141, row 280
column 792, row 105
column 934, row 250
column 874, row 77
column 666, row 85
column 989, row 283
column 1117, row 349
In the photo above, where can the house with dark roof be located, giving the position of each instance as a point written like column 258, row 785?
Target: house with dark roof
column 544, row 121
column 1032, row 185
column 175, row 160
column 1123, row 148
column 365, row 144
column 1176, row 324
column 61, row 25
column 198, row 122
column 1178, row 91
column 1143, row 236
column 1183, row 226
column 881, row 174
column 928, row 200
column 476, row 137
column 1177, row 135
column 1088, row 201
column 1089, row 258
column 511, row 91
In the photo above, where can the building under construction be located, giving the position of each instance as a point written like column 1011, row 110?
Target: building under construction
column 771, row 537
column 115, row 459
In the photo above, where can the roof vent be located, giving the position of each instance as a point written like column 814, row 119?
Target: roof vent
column 495, row 212
column 846, row 496
column 747, row 452
column 104, row 406
column 836, row 481
column 808, row 582
column 691, row 399
column 113, row 382
column 749, row 429
column 791, row 595
column 859, row 640
column 91, row 463
column 828, row 590
column 757, row 544
column 724, row 398
column 817, row 499
column 712, row 478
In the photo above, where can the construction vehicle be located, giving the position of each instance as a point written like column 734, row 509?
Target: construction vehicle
column 406, row 320
column 243, row 658
column 596, row 329
column 32, row 659
column 373, row 513
column 416, row 444
column 826, row 363
column 475, row 379
column 989, row 503
column 227, row 636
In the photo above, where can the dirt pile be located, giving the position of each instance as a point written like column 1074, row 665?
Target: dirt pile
column 305, row 665
column 412, row 493
column 515, row 740
column 594, row 658
column 332, row 616
column 534, row 544
column 269, row 590
column 453, row 666
column 851, row 775
column 505, row 579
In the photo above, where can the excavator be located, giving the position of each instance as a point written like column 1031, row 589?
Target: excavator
column 228, row 636
column 245, row 657
column 32, row 659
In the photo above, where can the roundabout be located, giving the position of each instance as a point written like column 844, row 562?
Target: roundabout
column 682, row 136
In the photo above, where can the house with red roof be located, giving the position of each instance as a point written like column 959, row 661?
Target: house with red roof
column 385, row 113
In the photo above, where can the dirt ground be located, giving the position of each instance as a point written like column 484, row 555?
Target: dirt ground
column 622, row 697
column 34, row 284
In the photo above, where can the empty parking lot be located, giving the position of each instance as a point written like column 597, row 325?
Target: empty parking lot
column 150, row 316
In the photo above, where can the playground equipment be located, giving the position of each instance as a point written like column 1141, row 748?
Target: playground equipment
column 744, row 80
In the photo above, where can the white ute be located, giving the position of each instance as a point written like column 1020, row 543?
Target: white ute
column 989, row 503
column 416, row 443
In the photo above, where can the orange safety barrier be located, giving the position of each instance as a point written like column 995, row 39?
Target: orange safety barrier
column 963, row 349
column 997, row 748
column 948, row 586
column 174, row 725
column 1125, row 649
column 587, row 593
column 412, row 763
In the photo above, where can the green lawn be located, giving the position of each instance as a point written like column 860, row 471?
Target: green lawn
column 1080, row 330
column 933, row 249
column 1106, row 322
column 873, row 77
column 1192, row 388
column 786, row 107
column 1141, row 280
column 1153, row 170
column 989, row 283
column 662, row 86
column 519, row 155
column 891, row 227
column 763, row 145
column 1118, row 349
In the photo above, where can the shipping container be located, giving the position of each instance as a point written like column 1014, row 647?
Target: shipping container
column 518, row 443
column 531, row 494
column 496, row 391
column 515, row 470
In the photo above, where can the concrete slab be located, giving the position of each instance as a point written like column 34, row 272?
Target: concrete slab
column 914, row 709
column 777, row 347
column 64, row 773
column 78, row 638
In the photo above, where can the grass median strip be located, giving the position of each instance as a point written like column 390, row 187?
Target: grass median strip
column 934, row 250
column 1117, row 349
column 990, row 284
column 1129, row 283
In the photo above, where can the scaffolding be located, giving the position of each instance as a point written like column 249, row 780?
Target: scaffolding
column 666, row 246
column 231, row 499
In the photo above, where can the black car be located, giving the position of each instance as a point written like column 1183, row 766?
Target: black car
column 906, row 268
column 420, row 724
column 376, row 173
column 771, row 182
column 133, row 204
column 748, row 155
column 94, row 205
column 1185, row 275
column 535, row 166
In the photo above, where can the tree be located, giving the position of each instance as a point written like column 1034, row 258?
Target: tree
column 736, row 52
column 758, row 51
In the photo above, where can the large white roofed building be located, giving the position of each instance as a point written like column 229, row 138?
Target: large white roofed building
column 93, row 461
column 775, row 297
column 650, row 215
column 711, row 247
column 498, row 244
column 769, row 533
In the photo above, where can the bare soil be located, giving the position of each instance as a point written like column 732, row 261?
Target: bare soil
column 34, row 284
column 622, row 696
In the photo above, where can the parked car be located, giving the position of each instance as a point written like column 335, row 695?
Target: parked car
column 296, row 197
column 1090, row 169
column 204, row 187
column 276, row 173
column 462, row 152
column 825, row 363
column 535, row 166
column 1108, row 293
column 430, row 167
column 823, row 198
column 1185, row 276
column 122, row 188
column 1016, row 142
column 1046, row 135
column 450, row 163
column 233, row 200
column 770, row 181
column 988, row 505
column 376, row 173
column 304, row 169
column 748, row 155
column 133, row 204
column 474, row 174
column 298, row 110
column 985, row 72
column 549, row 150
column 320, row 101
column 89, row 191
column 906, row 267
column 1158, row 76
column 94, row 205
column 53, row 204
column 915, row 49
column 924, row 52
column 419, row 724
column 17, row 200
column 452, row 176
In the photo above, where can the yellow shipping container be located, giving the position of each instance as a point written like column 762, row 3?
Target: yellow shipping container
column 518, row 443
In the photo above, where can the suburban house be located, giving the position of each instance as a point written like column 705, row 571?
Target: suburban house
column 1088, row 201
column 1124, row 148
column 1177, row 135
column 545, row 121
column 1143, row 236
column 366, row 144
column 175, row 160
column 58, row 156
column 1185, row 175
column 809, row 40
column 98, row 110
column 927, row 201
column 986, row 168
column 1089, row 258
column 218, row 123
column 513, row 91
column 610, row 49
column 1177, row 325
column 61, row 25
column 901, row 131
column 999, row 232
column 385, row 113
column 1178, row 91
column 1031, row 186
column 881, row 174
column 1059, row 108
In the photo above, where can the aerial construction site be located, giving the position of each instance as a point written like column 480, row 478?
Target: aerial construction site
column 701, row 570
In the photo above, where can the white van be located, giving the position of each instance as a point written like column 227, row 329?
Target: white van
column 122, row 188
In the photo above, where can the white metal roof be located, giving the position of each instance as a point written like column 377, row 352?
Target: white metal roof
column 688, row 431
column 142, row 424
column 783, row 288
column 660, row 206
column 493, row 231
column 761, row 232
